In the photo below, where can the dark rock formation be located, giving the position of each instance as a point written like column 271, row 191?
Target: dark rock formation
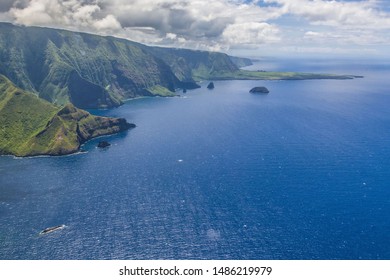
column 189, row 85
column 263, row 90
column 211, row 85
column 103, row 144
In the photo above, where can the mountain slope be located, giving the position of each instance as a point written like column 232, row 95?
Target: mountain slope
column 22, row 115
column 96, row 72
column 32, row 126
column 189, row 65
column 88, row 70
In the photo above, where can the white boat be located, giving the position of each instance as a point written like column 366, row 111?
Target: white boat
column 51, row 229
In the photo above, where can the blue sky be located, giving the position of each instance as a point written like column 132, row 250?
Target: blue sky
column 242, row 27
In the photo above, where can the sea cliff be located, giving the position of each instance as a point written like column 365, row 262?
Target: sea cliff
column 30, row 126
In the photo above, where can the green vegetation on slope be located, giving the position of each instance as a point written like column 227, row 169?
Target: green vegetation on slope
column 31, row 126
column 241, row 62
column 262, row 75
column 158, row 90
column 88, row 70
column 190, row 65
column 22, row 116
column 98, row 72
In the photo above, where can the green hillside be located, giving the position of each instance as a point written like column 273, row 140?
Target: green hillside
column 88, row 70
column 32, row 126
column 22, row 116
column 265, row 75
column 189, row 65
column 97, row 72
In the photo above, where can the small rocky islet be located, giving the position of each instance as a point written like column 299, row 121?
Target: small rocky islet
column 259, row 90
column 211, row 85
column 103, row 144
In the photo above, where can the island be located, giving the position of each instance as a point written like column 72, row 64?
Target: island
column 261, row 90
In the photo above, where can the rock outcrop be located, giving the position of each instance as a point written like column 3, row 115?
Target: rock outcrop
column 262, row 90
column 210, row 85
column 103, row 144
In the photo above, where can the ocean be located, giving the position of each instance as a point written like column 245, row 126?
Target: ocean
column 300, row 173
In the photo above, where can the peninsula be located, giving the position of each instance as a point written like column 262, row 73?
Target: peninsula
column 31, row 126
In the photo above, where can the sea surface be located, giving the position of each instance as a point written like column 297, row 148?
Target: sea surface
column 300, row 173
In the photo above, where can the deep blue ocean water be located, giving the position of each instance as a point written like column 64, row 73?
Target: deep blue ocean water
column 300, row 173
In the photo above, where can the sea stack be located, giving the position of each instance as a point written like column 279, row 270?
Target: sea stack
column 210, row 85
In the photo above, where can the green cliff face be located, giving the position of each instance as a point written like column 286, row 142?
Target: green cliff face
column 31, row 126
column 89, row 71
column 189, row 65
column 97, row 72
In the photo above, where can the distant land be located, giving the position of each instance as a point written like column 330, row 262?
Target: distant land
column 47, row 74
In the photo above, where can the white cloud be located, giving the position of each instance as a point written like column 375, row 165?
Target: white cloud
column 107, row 23
column 360, row 38
column 362, row 14
column 39, row 12
column 188, row 23
column 331, row 26
column 250, row 34
column 72, row 14
column 194, row 23
column 215, row 25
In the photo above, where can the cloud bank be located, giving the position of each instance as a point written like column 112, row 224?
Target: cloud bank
column 215, row 25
